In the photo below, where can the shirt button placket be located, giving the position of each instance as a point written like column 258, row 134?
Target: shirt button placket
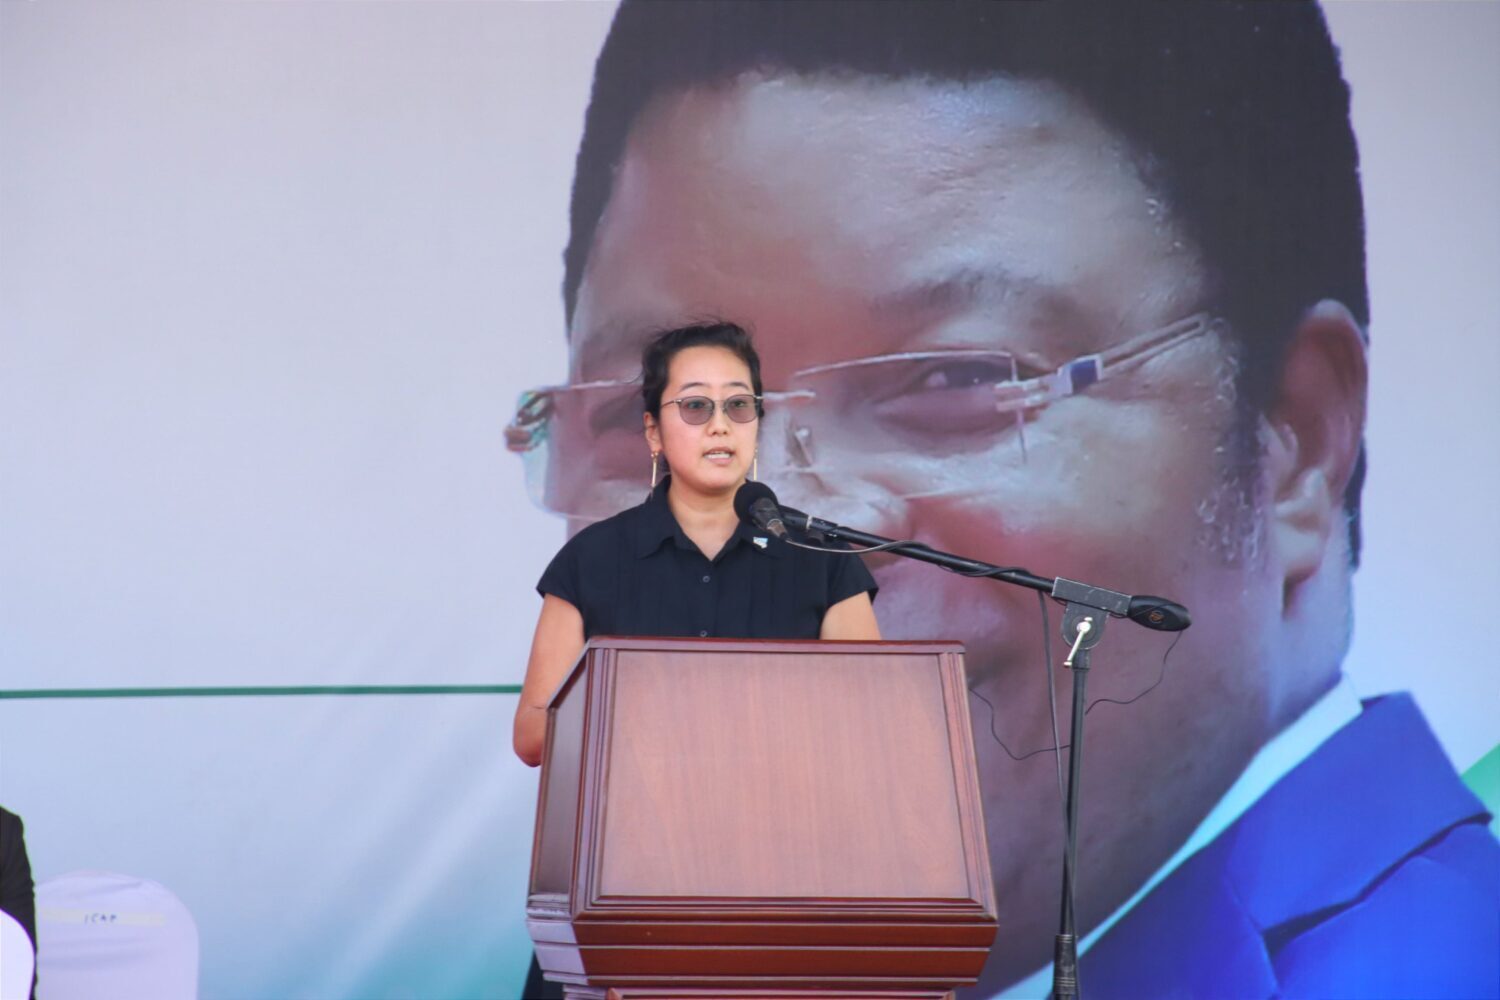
column 703, row 633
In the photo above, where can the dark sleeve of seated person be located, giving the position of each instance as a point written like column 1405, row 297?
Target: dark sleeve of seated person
column 17, row 893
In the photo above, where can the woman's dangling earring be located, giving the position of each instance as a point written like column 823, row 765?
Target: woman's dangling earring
column 755, row 466
column 654, row 456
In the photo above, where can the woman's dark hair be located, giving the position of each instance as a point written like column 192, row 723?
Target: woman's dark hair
column 656, row 359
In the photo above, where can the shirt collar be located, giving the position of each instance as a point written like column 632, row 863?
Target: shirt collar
column 761, row 541
column 654, row 523
column 655, row 526
column 1281, row 754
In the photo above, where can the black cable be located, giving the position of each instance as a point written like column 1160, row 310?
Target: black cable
column 1057, row 743
column 906, row 544
column 886, row 547
column 1161, row 674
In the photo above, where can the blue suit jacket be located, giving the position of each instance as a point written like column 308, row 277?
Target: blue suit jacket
column 1368, row 871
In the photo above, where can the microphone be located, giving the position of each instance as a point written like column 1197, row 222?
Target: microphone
column 1158, row 613
column 756, row 503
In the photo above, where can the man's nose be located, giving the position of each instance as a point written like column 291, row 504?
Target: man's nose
column 814, row 482
column 845, row 499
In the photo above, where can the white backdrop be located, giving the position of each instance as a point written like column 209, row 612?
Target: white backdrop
column 271, row 278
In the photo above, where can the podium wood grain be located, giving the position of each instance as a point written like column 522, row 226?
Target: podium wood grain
column 734, row 818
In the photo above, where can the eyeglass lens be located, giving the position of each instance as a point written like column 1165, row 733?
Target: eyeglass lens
column 700, row 409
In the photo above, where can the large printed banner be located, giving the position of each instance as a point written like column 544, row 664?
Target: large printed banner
column 1142, row 295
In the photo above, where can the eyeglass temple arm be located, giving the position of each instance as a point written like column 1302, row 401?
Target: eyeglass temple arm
column 1153, row 343
column 1156, row 613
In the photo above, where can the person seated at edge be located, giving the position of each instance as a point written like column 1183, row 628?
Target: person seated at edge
column 17, row 890
column 683, row 563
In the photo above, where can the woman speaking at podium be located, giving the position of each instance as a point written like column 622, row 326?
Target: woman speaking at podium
column 682, row 563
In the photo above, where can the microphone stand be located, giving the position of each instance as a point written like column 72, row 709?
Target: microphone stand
column 1087, row 625
column 1084, row 615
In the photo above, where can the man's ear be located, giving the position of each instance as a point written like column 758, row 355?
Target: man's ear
column 1317, row 424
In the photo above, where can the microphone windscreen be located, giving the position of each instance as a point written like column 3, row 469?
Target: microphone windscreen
column 748, row 494
column 1159, row 613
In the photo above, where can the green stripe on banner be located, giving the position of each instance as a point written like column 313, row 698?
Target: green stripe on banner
column 258, row 692
column 1484, row 780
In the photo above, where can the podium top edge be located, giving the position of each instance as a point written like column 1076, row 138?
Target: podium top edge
column 638, row 643
column 927, row 646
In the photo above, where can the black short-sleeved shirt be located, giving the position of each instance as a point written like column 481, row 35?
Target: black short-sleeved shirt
column 637, row 574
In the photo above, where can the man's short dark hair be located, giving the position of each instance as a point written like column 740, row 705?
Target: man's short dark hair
column 1238, row 113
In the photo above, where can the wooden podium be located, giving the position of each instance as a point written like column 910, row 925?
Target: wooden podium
column 734, row 818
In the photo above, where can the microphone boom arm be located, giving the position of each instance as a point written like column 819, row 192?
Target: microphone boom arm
column 1156, row 613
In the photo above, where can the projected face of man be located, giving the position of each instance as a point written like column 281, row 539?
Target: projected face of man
column 851, row 218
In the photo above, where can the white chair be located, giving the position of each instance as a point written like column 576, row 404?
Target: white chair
column 100, row 934
column 16, row 959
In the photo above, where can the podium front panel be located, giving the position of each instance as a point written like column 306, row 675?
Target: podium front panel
column 790, row 789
